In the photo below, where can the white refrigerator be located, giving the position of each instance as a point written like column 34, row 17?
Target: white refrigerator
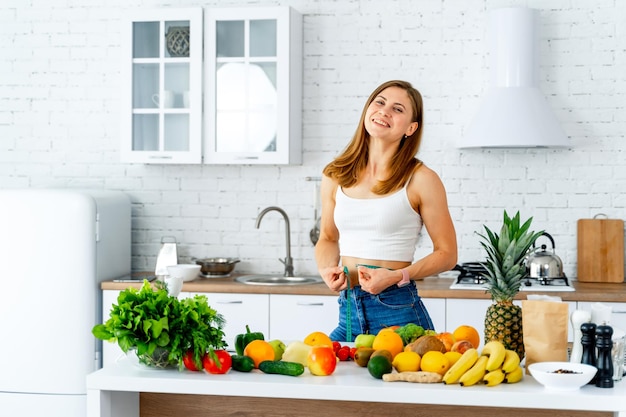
column 56, row 246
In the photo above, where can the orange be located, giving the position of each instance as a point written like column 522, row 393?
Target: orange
column 469, row 333
column 318, row 339
column 388, row 340
column 435, row 361
column 447, row 339
column 259, row 351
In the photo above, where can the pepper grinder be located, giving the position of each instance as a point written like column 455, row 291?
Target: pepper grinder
column 578, row 317
column 588, row 342
column 604, row 343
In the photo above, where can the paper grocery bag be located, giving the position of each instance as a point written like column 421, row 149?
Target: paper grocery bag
column 544, row 324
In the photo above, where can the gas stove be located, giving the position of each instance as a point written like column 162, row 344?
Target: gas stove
column 469, row 276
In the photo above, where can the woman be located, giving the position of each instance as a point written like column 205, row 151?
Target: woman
column 375, row 198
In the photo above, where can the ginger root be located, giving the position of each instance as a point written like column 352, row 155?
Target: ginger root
column 417, row 376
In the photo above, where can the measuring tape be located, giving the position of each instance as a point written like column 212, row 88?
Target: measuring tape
column 349, row 307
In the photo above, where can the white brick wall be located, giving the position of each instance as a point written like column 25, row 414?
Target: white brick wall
column 59, row 120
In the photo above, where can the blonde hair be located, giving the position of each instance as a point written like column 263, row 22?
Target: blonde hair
column 346, row 167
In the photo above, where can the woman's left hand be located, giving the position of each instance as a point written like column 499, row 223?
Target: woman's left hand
column 376, row 280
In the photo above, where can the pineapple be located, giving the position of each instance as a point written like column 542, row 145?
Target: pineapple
column 505, row 272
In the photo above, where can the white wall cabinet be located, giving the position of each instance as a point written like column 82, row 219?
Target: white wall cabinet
column 162, row 97
column 252, row 90
column 240, row 310
column 253, row 85
column 437, row 310
column 293, row 317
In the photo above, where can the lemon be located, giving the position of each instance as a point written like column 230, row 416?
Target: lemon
column 406, row 362
column 435, row 361
column 453, row 357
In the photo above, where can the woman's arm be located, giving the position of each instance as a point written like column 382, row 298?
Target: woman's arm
column 327, row 247
column 428, row 195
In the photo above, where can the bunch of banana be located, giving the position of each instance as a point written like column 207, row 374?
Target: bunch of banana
column 461, row 366
column 495, row 365
column 475, row 373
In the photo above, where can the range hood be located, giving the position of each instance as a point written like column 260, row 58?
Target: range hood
column 514, row 113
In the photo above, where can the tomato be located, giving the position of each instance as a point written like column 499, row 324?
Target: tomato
column 321, row 360
column 188, row 361
column 223, row 364
column 343, row 353
column 336, row 346
column 352, row 352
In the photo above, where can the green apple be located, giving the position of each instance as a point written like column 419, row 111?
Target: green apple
column 364, row 340
column 279, row 349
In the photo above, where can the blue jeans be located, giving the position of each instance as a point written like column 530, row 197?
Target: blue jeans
column 370, row 313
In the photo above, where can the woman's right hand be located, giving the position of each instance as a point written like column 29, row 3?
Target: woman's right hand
column 334, row 278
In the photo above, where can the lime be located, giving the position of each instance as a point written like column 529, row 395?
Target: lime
column 378, row 366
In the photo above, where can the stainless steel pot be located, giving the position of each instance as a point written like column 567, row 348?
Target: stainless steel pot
column 544, row 264
column 216, row 266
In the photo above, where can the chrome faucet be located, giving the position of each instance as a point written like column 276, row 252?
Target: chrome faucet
column 288, row 261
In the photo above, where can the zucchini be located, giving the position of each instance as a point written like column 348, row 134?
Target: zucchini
column 282, row 368
column 242, row 363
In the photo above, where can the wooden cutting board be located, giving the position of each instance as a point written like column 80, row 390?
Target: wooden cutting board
column 600, row 250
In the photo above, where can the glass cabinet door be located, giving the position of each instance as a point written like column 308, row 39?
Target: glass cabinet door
column 253, row 74
column 162, row 118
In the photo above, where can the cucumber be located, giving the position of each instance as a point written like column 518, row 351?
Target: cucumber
column 282, row 368
column 242, row 363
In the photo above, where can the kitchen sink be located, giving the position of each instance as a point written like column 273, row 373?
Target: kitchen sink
column 277, row 280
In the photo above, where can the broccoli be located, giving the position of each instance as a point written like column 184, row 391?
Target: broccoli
column 410, row 332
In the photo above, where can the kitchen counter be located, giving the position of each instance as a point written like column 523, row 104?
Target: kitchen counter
column 431, row 287
column 114, row 391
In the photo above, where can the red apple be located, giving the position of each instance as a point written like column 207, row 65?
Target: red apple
column 322, row 360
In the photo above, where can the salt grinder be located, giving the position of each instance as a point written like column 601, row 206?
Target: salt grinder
column 577, row 318
column 588, row 341
column 604, row 344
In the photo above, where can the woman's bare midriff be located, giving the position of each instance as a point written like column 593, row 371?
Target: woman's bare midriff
column 351, row 263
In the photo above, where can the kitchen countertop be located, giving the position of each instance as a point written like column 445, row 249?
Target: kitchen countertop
column 432, row 287
column 349, row 383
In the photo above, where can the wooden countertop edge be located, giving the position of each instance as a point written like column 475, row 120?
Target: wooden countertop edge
column 432, row 287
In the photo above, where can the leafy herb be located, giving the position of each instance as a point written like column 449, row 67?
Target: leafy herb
column 148, row 318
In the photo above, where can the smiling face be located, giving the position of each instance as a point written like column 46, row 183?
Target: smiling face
column 390, row 115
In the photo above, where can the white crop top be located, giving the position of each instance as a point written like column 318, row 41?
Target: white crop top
column 384, row 228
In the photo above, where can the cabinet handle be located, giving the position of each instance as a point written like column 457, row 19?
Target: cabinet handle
column 310, row 304
column 160, row 157
column 229, row 302
column 619, row 311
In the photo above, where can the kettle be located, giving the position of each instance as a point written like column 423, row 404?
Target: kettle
column 544, row 264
